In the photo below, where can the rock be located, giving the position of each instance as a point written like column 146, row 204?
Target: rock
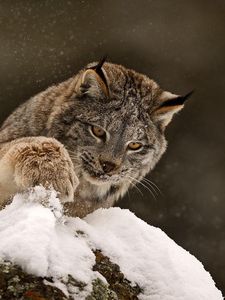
column 16, row 284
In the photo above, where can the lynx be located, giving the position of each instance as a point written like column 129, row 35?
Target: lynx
column 90, row 137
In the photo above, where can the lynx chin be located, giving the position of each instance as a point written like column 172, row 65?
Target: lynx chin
column 90, row 137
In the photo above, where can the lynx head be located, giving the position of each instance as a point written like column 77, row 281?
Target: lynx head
column 113, row 123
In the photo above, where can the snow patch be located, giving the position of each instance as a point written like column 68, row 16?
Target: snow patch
column 46, row 243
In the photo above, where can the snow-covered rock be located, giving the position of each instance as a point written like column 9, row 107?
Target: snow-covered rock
column 46, row 243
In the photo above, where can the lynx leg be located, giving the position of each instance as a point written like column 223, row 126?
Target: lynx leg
column 34, row 161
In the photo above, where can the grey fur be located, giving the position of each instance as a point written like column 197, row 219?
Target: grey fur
column 126, row 104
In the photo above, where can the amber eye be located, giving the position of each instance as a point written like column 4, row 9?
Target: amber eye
column 98, row 131
column 134, row 146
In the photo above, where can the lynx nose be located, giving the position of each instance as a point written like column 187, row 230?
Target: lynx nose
column 107, row 166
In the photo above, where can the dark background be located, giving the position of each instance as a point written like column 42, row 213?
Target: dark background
column 180, row 44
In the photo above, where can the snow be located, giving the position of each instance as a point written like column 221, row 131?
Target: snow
column 46, row 243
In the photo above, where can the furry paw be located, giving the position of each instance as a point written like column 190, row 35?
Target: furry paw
column 44, row 161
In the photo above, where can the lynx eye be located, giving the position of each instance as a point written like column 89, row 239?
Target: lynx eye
column 98, row 131
column 134, row 146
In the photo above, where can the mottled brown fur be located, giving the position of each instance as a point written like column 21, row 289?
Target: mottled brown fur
column 48, row 140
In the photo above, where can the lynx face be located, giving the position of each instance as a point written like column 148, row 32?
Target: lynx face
column 113, row 147
column 113, row 124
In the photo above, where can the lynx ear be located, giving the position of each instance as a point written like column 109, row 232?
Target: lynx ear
column 93, row 82
column 169, row 105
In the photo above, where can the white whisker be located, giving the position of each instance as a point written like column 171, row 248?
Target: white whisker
column 133, row 185
column 150, row 186
column 151, row 182
column 145, row 186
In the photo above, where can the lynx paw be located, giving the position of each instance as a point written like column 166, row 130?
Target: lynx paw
column 44, row 162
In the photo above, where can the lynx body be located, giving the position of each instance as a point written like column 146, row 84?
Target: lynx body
column 90, row 137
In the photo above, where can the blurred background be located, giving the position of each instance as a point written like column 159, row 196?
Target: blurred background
column 180, row 44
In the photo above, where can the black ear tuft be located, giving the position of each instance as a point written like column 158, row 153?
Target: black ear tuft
column 100, row 64
column 98, row 69
column 177, row 101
